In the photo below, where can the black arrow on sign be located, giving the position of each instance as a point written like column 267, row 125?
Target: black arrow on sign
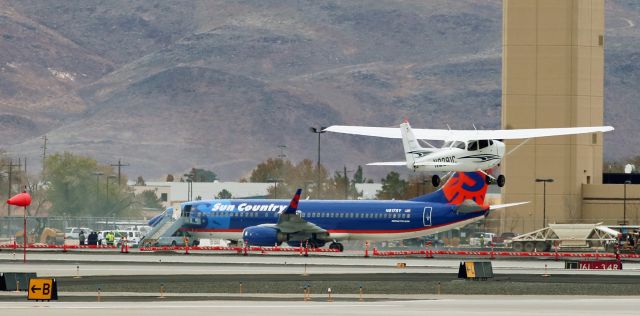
column 34, row 288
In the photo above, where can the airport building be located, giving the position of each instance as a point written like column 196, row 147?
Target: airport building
column 173, row 193
column 553, row 76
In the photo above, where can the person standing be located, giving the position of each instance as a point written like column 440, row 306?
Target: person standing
column 100, row 237
column 81, row 237
column 110, row 238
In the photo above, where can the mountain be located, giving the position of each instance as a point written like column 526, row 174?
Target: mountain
column 166, row 86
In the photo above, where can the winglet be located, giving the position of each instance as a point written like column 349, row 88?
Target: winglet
column 293, row 205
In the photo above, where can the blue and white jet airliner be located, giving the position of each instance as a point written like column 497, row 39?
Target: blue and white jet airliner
column 317, row 222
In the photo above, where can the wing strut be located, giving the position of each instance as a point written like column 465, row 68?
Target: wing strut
column 514, row 149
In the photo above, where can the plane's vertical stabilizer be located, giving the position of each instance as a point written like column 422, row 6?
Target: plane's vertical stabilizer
column 412, row 149
column 460, row 187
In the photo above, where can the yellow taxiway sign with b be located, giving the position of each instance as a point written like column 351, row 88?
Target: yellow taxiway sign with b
column 41, row 289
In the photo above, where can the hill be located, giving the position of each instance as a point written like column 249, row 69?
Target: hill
column 220, row 84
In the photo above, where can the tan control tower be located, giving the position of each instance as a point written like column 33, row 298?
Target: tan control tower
column 552, row 76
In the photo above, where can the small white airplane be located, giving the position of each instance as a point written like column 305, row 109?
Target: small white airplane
column 462, row 150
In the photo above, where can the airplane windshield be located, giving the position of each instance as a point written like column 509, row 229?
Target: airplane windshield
column 460, row 145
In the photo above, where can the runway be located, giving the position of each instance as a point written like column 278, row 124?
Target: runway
column 449, row 305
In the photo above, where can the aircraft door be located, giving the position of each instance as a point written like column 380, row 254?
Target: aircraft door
column 426, row 216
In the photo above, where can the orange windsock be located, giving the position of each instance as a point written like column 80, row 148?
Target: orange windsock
column 22, row 199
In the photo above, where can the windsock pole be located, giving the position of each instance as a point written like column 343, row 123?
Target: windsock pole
column 23, row 199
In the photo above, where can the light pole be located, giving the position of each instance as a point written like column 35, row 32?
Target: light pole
column 544, row 199
column 189, row 185
column 319, row 131
column 624, row 216
column 97, row 174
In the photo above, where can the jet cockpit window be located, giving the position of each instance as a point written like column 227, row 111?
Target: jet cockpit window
column 483, row 143
column 473, row 145
column 460, row 145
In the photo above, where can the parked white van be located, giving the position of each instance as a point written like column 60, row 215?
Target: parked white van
column 133, row 237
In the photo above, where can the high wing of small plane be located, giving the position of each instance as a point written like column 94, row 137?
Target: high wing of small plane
column 464, row 135
column 462, row 150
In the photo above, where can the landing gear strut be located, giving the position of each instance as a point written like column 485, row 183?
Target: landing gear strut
column 435, row 180
column 336, row 245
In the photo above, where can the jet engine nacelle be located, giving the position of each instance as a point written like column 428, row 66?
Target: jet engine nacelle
column 263, row 236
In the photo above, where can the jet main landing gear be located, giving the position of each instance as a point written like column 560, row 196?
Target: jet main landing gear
column 336, row 245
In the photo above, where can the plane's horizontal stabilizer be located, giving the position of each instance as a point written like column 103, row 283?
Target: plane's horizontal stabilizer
column 499, row 206
column 469, row 206
column 388, row 163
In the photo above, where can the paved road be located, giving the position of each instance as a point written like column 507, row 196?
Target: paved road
column 58, row 264
column 454, row 305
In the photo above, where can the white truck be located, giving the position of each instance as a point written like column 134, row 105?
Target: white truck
column 567, row 237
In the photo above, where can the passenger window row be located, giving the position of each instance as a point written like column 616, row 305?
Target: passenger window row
column 316, row 215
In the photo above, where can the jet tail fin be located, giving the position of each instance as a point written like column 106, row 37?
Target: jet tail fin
column 462, row 186
column 293, row 205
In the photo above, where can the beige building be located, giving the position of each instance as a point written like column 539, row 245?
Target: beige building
column 553, row 76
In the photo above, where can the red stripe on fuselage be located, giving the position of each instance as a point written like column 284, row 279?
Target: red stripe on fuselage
column 350, row 231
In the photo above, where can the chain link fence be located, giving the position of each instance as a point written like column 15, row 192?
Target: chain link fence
column 9, row 226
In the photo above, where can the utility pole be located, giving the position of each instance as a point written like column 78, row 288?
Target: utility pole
column 346, row 183
column 44, row 155
column 9, row 193
column 119, row 165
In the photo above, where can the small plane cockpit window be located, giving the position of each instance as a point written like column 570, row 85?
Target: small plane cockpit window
column 460, row 145
column 490, row 143
column 446, row 144
column 473, row 145
column 483, row 143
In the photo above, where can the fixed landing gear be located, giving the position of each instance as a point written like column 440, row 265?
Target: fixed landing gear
column 435, row 180
column 501, row 180
column 489, row 179
column 336, row 245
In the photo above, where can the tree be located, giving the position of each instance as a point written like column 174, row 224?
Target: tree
column 77, row 187
column 140, row 181
column 358, row 176
column 149, row 200
column 170, row 178
column 202, row 175
column 392, row 187
column 224, row 194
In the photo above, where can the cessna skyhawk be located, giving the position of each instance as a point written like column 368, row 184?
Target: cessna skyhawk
column 462, row 150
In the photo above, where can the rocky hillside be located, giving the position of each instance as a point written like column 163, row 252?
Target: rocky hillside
column 220, row 84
